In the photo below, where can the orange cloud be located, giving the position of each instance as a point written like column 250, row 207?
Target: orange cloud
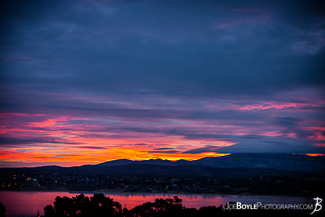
column 72, row 144
column 71, row 157
column 315, row 154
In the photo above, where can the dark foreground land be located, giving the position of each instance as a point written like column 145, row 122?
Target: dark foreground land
column 100, row 206
column 268, row 174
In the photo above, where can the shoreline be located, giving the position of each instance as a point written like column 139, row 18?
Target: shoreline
column 117, row 191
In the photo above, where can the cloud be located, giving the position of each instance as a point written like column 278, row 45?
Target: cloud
column 167, row 152
column 202, row 150
column 294, row 126
column 161, row 149
column 151, row 75
column 273, row 145
column 90, row 147
column 66, row 155
column 247, row 10
column 15, row 142
column 107, row 54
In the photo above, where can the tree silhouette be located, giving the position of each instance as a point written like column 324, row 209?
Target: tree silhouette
column 161, row 207
column 99, row 206
column 49, row 211
column 79, row 206
column 2, row 210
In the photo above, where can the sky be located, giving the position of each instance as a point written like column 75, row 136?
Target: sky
column 87, row 81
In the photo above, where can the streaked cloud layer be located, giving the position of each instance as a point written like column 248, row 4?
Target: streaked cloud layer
column 89, row 81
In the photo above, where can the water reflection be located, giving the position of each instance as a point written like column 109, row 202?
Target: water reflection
column 28, row 203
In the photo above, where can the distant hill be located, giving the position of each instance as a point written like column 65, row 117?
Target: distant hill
column 288, row 162
column 123, row 162
column 230, row 165
column 264, row 174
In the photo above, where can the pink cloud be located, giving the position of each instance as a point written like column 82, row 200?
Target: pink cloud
column 245, row 21
column 277, row 105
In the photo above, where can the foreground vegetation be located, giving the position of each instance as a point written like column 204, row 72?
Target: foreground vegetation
column 100, row 206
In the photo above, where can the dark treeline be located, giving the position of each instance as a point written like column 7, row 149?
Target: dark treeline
column 100, row 206
column 2, row 210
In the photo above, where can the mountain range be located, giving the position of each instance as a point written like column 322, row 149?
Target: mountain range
column 288, row 162
column 230, row 166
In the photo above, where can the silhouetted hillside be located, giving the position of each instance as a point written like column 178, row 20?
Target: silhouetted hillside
column 288, row 162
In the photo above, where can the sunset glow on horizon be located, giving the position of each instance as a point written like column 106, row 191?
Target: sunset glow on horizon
column 315, row 155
